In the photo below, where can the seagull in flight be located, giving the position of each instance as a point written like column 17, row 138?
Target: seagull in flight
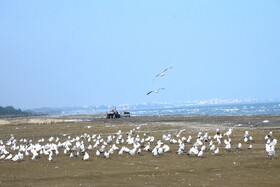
column 162, row 73
column 156, row 91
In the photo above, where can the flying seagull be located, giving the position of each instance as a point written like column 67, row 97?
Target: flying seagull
column 156, row 91
column 162, row 73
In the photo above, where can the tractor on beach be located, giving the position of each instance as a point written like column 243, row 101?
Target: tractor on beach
column 113, row 114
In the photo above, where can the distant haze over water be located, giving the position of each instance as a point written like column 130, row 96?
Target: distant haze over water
column 171, row 109
column 233, row 109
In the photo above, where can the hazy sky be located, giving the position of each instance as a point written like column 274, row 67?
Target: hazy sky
column 70, row 52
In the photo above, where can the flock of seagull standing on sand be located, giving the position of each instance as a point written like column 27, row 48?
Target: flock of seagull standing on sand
column 130, row 143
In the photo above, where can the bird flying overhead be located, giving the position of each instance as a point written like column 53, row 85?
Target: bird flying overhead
column 162, row 73
column 156, row 91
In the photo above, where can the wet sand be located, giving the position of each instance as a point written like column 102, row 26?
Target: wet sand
column 236, row 168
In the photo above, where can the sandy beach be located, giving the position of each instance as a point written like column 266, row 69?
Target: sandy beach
column 242, row 167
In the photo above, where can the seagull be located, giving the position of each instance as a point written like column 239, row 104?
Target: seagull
column 178, row 135
column 15, row 158
column 2, row 157
column 106, row 154
column 140, row 126
column 200, row 154
column 156, row 91
column 239, row 146
column 162, row 73
column 50, row 157
column 189, row 139
column 86, row 156
column 212, row 148
column 216, row 152
column 250, row 146
column 97, row 153
column 165, row 148
column 71, row 155
column 9, row 157
column 229, row 132
column 147, row 147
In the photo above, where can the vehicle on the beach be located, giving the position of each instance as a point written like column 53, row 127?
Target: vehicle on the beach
column 113, row 114
column 126, row 113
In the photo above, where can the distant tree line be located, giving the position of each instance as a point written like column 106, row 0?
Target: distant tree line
column 9, row 110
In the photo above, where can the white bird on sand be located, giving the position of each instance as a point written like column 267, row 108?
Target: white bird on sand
column 2, row 157
column 203, row 148
column 51, row 139
column 50, row 156
column 270, row 150
column 212, row 148
column 216, row 152
column 228, row 145
column 4, row 151
column 147, row 147
column 160, row 151
column 165, row 147
column 155, row 152
column 178, row 135
column 251, row 138
column 10, row 156
column 15, row 158
column 89, row 147
column 200, row 154
column 239, row 146
column 162, row 73
column 271, row 153
column 155, row 91
column 189, row 139
column 250, row 146
column 246, row 134
column 133, row 151
column 86, row 156
column 228, row 133
column 71, row 155
column 273, row 142
column 193, row 150
column 106, row 154
column 97, row 153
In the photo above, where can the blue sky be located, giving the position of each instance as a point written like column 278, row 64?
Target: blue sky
column 70, row 52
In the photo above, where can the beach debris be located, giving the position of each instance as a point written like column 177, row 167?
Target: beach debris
column 265, row 121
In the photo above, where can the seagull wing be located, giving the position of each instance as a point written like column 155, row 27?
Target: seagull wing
column 181, row 131
column 156, row 91
column 167, row 69
column 150, row 92
column 157, row 76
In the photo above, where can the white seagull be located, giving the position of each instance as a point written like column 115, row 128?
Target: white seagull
column 178, row 135
column 156, row 91
column 216, row 152
column 86, row 156
column 162, row 73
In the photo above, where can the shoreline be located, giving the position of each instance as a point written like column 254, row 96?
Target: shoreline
column 227, row 120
